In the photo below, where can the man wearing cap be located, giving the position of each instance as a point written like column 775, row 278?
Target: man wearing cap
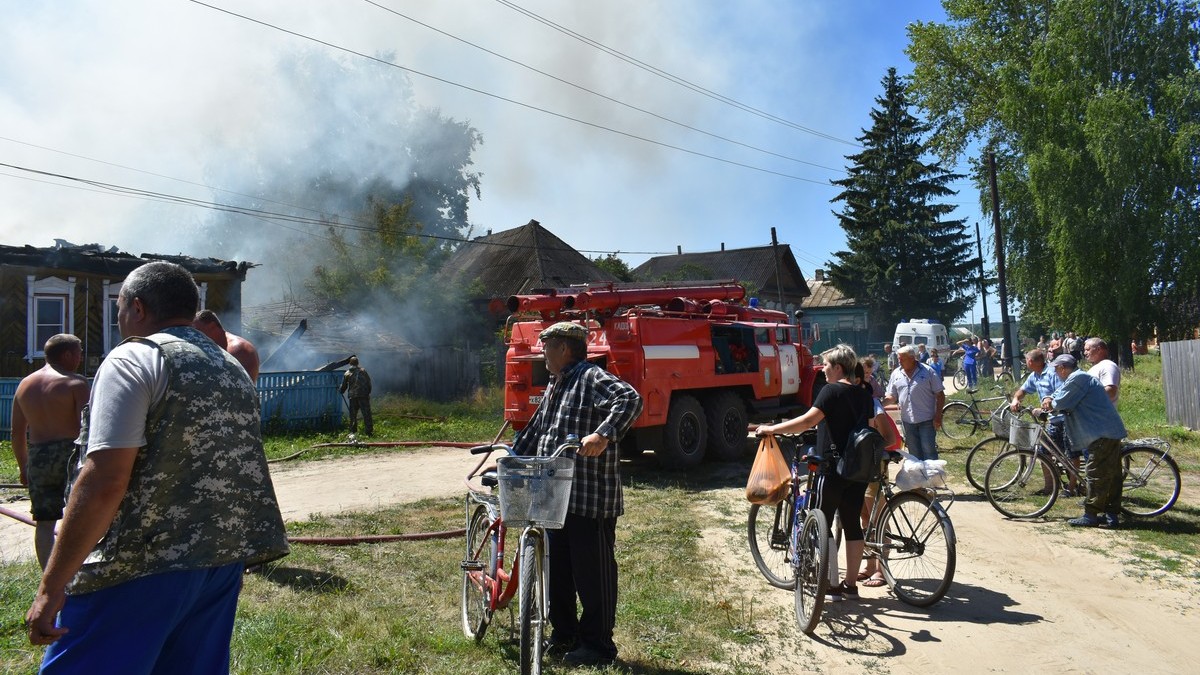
column 1093, row 424
column 587, row 401
column 1044, row 382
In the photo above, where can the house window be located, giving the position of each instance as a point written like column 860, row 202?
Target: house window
column 112, row 332
column 50, row 302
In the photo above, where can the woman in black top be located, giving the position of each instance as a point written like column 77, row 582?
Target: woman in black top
column 839, row 407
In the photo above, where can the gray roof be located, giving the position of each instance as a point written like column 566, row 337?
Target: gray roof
column 94, row 259
column 519, row 260
column 824, row 295
column 755, row 266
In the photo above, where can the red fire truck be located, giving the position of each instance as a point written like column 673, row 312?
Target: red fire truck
column 704, row 362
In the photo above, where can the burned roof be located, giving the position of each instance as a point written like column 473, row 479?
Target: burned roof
column 519, row 260
column 95, row 259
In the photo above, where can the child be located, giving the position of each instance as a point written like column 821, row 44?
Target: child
column 935, row 362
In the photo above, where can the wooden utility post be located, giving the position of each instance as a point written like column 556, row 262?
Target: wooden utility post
column 984, row 326
column 1010, row 345
column 778, row 274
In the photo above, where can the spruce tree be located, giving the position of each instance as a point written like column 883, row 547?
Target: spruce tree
column 906, row 259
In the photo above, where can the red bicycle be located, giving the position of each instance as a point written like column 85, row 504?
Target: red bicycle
column 533, row 494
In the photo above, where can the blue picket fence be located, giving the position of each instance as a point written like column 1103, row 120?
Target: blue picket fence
column 294, row 401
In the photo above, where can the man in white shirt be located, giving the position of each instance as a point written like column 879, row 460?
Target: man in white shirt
column 1103, row 369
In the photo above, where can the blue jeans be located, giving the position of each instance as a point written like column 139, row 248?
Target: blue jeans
column 920, row 439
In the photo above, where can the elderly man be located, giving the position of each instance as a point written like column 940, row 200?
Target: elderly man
column 587, row 401
column 1043, row 382
column 1093, row 424
column 171, row 499
column 917, row 389
column 1103, row 369
column 47, row 406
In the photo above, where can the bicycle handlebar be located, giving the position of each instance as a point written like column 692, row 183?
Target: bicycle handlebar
column 571, row 443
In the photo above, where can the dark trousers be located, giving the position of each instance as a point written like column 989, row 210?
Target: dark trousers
column 1104, row 477
column 361, row 403
column 583, row 564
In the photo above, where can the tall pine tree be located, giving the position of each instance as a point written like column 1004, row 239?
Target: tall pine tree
column 905, row 259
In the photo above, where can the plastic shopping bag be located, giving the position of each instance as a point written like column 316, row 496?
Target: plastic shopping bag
column 916, row 473
column 770, row 477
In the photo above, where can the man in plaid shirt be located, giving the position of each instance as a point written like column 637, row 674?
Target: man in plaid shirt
column 587, row 401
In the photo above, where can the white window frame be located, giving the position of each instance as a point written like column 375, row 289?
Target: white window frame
column 112, row 289
column 50, row 287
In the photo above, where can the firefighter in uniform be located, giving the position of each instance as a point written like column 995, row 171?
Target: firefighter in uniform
column 356, row 385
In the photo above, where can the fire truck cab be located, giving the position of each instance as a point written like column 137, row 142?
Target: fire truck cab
column 704, row 363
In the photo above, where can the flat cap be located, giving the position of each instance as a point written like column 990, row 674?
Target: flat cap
column 565, row 329
column 1063, row 360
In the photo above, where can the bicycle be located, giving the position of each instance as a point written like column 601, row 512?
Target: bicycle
column 962, row 420
column 1150, row 477
column 534, row 493
column 797, row 537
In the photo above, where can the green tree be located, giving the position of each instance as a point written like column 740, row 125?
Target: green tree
column 906, row 258
column 1093, row 110
column 614, row 266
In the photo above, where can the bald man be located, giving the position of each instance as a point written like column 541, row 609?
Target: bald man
column 46, row 407
column 240, row 348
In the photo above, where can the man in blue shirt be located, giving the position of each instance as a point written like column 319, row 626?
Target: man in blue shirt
column 920, row 395
column 1093, row 424
column 1043, row 381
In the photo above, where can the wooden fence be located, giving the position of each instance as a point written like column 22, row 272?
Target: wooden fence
column 1181, row 382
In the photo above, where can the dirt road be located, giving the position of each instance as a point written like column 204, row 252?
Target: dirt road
column 1027, row 597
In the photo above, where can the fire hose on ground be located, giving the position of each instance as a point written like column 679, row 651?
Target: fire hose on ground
column 338, row 541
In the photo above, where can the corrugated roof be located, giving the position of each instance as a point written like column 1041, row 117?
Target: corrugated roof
column 519, row 260
column 825, row 295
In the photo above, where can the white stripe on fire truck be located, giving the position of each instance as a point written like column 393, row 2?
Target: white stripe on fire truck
column 671, row 352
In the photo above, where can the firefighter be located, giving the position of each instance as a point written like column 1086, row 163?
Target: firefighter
column 356, row 385
column 584, row 400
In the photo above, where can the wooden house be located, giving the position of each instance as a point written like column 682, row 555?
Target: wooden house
column 770, row 272
column 836, row 319
column 73, row 289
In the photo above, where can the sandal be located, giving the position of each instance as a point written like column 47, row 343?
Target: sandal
column 863, row 576
column 875, row 581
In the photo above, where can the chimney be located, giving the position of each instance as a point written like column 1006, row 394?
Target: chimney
column 722, row 246
column 678, row 250
column 820, row 274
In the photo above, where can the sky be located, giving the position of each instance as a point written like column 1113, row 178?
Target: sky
column 182, row 99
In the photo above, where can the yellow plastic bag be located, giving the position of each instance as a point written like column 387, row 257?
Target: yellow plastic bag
column 770, row 477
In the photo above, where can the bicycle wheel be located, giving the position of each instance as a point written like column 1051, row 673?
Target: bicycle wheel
column 917, row 548
column 478, row 572
column 812, row 568
column 1006, row 378
column 981, row 457
column 769, row 529
column 1014, row 484
column 958, row 420
column 960, row 379
column 1151, row 481
column 530, row 601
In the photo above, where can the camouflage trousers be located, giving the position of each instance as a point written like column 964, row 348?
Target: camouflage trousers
column 362, row 403
column 1104, row 477
column 47, row 472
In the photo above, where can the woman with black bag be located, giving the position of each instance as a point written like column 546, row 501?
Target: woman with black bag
column 841, row 406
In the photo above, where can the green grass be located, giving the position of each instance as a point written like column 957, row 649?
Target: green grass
column 389, row 608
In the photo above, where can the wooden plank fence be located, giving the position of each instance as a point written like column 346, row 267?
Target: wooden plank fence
column 1181, row 382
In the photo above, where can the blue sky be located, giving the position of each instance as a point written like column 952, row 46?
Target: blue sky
column 175, row 97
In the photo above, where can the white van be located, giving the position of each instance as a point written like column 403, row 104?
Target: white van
column 922, row 331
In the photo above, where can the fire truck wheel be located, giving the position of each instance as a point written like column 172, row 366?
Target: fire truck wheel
column 685, row 435
column 726, row 426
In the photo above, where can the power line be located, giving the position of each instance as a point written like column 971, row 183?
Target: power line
column 498, row 97
column 599, row 94
column 672, row 78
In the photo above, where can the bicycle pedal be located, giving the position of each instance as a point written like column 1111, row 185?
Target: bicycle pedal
column 471, row 566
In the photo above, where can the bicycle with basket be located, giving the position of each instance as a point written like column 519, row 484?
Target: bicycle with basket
column 530, row 493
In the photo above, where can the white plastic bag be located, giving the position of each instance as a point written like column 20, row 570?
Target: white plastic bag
column 916, row 473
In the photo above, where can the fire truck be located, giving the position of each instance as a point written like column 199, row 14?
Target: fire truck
column 705, row 362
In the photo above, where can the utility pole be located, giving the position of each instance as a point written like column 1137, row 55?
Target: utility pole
column 778, row 274
column 984, row 327
column 1010, row 345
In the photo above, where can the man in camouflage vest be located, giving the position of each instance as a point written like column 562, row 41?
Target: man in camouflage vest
column 356, row 384
column 169, row 500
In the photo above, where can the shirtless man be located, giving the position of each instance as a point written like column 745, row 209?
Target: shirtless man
column 206, row 322
column 47, row 407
